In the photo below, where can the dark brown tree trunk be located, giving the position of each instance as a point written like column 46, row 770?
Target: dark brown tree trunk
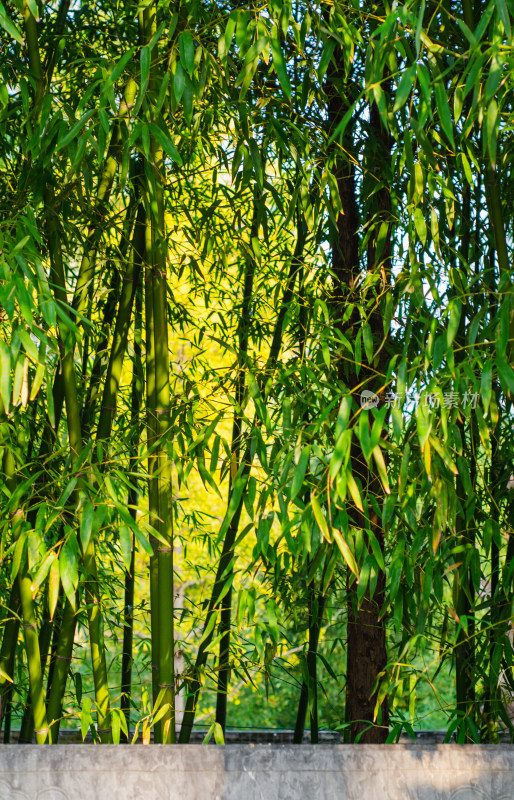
column 366, row 643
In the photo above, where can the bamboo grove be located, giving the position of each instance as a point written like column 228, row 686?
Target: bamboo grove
column 256, row 366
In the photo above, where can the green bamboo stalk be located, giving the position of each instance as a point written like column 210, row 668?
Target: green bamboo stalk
column 158, row 419
column 105, row 423
column 162, row 410
column 45, row 637
column 151, row 427
column 56, row 47
column 88, row 261
column 37, row 692
column 12, row 626
column 58, row 617
column 75, row 438
column 152, row 482
column 8, row 650
column 101, row 359
column 494, row 202
column 128, row 632
column 117, row 354
column 231, row 522
column 491, row 700
column 128, row 614
column 121, row 330
column 61, row 667
column 97, row 645
column 309, row 688
column 243, row 335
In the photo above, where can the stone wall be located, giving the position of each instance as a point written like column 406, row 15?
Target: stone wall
column 246, row 772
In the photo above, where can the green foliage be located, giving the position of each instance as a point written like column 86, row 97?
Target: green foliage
column 221, row 226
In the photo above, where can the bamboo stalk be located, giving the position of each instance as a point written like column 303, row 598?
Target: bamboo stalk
column 105, row 423
column 45, row 637
column 231, row 523
column 164, row 503
column 121, row 330
column 8, row 650
column 12, row 626
column 88, row 261
column 152, row 482
column 60, row 670
column 158, row 420
column 128, row 614
column 37, row 692
column 243, row 336
column 75, row 439
column 101, row 359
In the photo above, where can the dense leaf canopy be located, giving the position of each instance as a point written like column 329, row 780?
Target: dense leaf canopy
column 256, row 367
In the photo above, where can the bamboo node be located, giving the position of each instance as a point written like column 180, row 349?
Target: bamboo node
column 63, row 658
column 162, row 410
column 166, row 686
column 103, row 730
column 165, row 549
column 42, row 732
column 30, row 626
column 108, row 408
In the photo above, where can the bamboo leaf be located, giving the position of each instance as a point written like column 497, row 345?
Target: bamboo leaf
column 53, row 587
column 68, row 567
column 166, row 143
column 187, row 52
column 118, row 69
column 126, row 545
column 506, row 375
column 377, row 550
column 404, row 88
column 319, row 517
column 280, row 65
column 354, row 490
column 454, row 321
column 8, row 26
column 367, row 338
column 299, row 472
column 341, row 453
column 420, row 225
column 257, row 163
column 179, row 82
column 73, row 132
column 326, row 57
column 145, row 61
column 5, row 375
column 503, row 13
column 85, row 717
column 86, row 524
column 343, row 415
column 346, row 552
column 43, row 571
column 486, row 379
column 491, row 130
column 443, row 108
column 382, row 469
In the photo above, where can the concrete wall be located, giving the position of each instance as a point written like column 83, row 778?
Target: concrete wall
column 246, row 772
